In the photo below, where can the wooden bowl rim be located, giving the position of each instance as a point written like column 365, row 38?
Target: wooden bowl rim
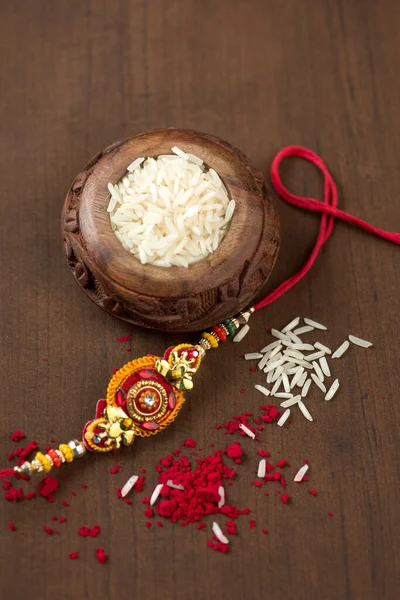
column 118, row 264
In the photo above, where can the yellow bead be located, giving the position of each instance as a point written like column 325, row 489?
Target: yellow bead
column 44, row 461
column 210, row 338
column 67, row 452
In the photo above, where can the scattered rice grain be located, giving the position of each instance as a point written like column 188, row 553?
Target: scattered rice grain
column 324, row 366
column 242, row 333
column 261, row 468
column 253, row 356
column 305, row 410
column 262, row 389
column 156, row 493
column 129, row 485
column 221, row 492
column 332, row 390
column 359, row 342
column 219, row 534
column 291, row 325
column 305, row 389
column 318, row 382
column 314, row 324
column 341, row 350
column 283, row 418
column 300, row 473
column 247, row 431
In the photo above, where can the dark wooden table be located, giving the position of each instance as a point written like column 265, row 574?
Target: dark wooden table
column 76, row 75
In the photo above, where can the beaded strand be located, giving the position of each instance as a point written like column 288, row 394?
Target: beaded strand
column 219, row 333
column 53, row 458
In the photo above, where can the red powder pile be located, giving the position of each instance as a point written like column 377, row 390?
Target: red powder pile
column 234, row 451
column 269, row 414
column 189, row 443
column 200, row 478
column 101, row 555
column 200, row 496
column 22, row 453
column 214, row 544
column 14, row 494
column 47, row 487
column 17, row 435
column 115, row 469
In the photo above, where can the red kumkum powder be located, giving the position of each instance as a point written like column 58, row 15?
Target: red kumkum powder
column 101, row 555
column 200, row 495
column 47, row 487
column 17, row 435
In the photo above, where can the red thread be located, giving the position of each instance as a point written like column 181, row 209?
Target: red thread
column 5, row 473
column 328, row 208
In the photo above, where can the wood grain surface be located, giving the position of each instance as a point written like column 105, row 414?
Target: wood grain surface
column 76, row 75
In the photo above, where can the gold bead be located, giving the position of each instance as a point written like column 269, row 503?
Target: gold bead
column 235, row 322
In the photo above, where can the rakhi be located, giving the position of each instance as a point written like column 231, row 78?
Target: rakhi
column 147, row 393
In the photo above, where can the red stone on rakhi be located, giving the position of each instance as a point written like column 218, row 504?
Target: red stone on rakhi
column 120, row 397
column 145, row 374
column 171, row 400
column 150, row 425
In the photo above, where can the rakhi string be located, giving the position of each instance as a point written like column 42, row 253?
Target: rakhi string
column 328, row 208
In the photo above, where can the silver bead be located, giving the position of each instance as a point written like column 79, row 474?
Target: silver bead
column 77, row 448
column 60, row 455
column 200, row 350
column 37, row 466
column 244, row 315
column 50, row 460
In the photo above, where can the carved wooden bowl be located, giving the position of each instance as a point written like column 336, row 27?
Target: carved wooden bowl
column 172, row 298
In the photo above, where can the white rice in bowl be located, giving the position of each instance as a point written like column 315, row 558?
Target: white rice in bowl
column 171, row 210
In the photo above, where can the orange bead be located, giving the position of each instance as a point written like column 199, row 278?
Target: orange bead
column 54, row 457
